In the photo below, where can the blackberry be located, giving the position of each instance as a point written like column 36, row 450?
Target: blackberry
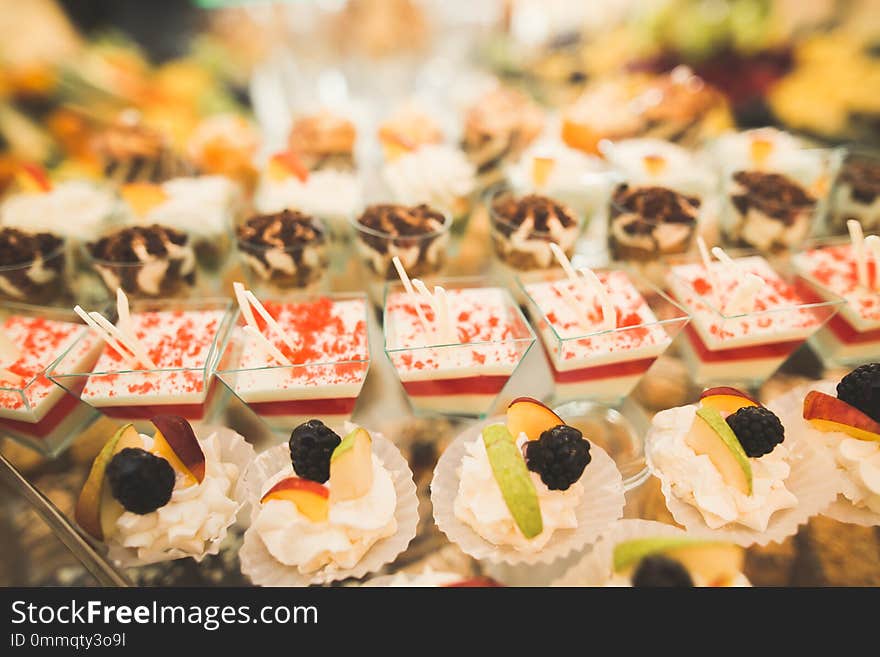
column 757, row 429
column 311, row 445
column 861, row 388
column 140, row 481
column 657, row 570
column 559, row 456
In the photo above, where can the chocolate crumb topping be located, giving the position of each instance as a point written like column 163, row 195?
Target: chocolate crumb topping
column 863, row 177
column 650, row 221
column 415, row 233
column 128, row 244
column 37, row 282
column 655, row 205
column 285, row 230
column 401, row 220
column 542, row 210
column 131, row 152
column 18, row 247
column 773, row 194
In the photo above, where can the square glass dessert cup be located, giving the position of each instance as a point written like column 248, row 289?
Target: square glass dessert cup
column 744, row 349
column 184, row 334
column 604, row 365
column 274, row 271
column 34, row 410
column 284, row 396
column 460, row 379
column 422, row 255
column 855, row 193
column 852, row 336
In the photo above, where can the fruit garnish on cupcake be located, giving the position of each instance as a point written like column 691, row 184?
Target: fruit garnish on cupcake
column 677, row 561
column 856, row 409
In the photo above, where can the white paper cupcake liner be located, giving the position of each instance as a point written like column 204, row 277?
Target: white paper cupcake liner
column 596, row 568
column 813, row 480
column 264, row 570
column 233, row 449
column 602, row 504
column 790, row 407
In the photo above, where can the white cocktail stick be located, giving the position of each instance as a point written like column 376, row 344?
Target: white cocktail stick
column 563, row 261
column 872, row 245
column 427, row 296
column 444, row 319
column 104, row 335
column 407, row 285
column 710, row 270
column 858, row 246
column 267, row 346
column 574, row 303
column 742, row 300
column 244, row 305
column 132, row 344
column 609, row 314
column 270, row 321
column 719, row 253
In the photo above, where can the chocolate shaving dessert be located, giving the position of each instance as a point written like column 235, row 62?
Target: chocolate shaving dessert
column 287, row 248
column 498, row 129
column 857, row 194
column 133, row 152
column 418, row 235
column 145, row 261
column 523, row 228
column 324, row 141
column 31, row 265
column 649, row 222
column 768, row 211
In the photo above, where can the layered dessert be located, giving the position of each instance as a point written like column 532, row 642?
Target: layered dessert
column 168, row 495
column 746, row 319
column 520, row 481
column 285, row 250
column 159, row 359
column 31, row 405
column 524, row 227
column 850, row 425
column 323, row 141
column 131, row 151
column 724, row 456
column 649, row 222
column 32, row 268
column 145, row 261
column 591, row 356
column 203, row 207
column 323, row 372
column 417, row 235
column 856, row 193
column 767, row 211
column 853, row 334
column 225, row 145
column 497, row 129
column 407, row 130
column 327, row 508
column 455, row 350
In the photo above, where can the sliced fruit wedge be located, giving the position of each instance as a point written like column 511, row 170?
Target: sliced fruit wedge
column 512, row 475
column 351, row 466
column 531, row 417
column 712, row 436
column 310, row 498
column 176, row 442
column 726, row 400
column 716, row 563
column 830, row 414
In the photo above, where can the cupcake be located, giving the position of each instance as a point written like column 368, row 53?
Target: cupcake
column 645, row 554
column 523, row 228
column 285, row 250
column 497, row 129
column 130, row 151
column 845, row 419
column 649, row 222
column 225, row 145
column 418, row 235
column 325, row 508
column 724, row 465
column 32, row 266
column 164, row 497
column 528, row 489
column 145, row 261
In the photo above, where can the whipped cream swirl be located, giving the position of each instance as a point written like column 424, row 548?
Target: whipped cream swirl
column 859, row 463
column 333, row 195
column 438, row 175
column 76, row 209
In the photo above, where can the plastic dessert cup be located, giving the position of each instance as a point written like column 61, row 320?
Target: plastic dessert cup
column 38, row 281
column 183, row 338
column 330, row 364
column 852, row 336
column 744, row 349
column 855, row 193
column 462, row 377
column 293, row 269
column 33, row 409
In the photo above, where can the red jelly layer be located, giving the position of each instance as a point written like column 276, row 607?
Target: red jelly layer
column 779, row 350
column 192, row 412
column 611, row 370
column 849, row 334
column 471, row 385
column 65, row 406
column 315, row 407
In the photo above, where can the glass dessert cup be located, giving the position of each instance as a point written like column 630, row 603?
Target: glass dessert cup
column 828, row 272
column 459, row 379
column 744, row 349
column 855, row 193
column 170, row 332
column 423, row 255
column 594, row 371
column 33, row 409
column 40, row 281
column 278, row 272
column 284, row 396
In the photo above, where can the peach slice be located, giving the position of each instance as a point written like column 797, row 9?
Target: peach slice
column 97, row 510
column 143, row 197
column 830, row 414
column 542, row 167
column 32, row 178
column 176, row 442
column 310, row 498
column 726, row 400
column 285, row 164
column 580, row 136
column 531, row 417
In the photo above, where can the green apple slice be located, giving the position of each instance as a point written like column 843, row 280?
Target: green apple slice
column 712, row 436
column 512, row 475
